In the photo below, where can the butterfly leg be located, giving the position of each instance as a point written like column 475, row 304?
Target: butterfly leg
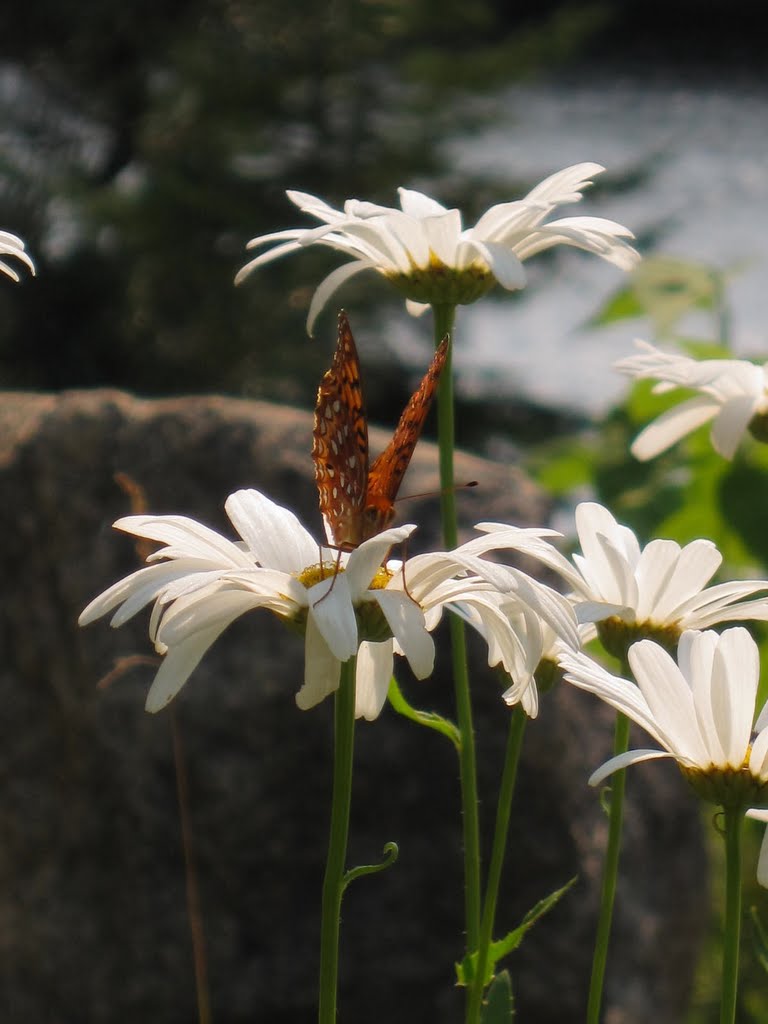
column 336, row 569
column 404, row 546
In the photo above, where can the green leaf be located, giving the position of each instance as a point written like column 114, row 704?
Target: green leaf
column 665, row 289
column 622, row 305
column 563, row 467
column 499, row 1006
column 465, row 971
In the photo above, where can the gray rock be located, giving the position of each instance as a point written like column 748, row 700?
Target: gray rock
column 92, row 882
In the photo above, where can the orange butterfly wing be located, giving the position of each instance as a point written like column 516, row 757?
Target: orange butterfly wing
column 340, row 442
column 388, row 469
column 355, row 501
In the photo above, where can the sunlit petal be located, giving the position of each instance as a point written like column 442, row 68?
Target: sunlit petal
column 374, row 671
column 273, row 534
column 322, row 670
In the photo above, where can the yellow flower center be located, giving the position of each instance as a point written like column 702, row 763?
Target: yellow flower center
column 318, row 572
column 371, row 622
column 617, row 636
column 381, row 579
column 439, row 284
column 727, row 787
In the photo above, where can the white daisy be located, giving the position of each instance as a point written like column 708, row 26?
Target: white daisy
column 699, row 710
column 12, row 245
column 657, row 591
column 424, row 250
column 733, row 393
column 200, row 582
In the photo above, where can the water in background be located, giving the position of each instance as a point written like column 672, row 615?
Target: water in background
column 688, row 162
column 702, row 196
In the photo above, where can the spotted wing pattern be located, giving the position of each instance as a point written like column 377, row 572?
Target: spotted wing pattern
column 388, row 469
column 340, row 442
column 358, row 502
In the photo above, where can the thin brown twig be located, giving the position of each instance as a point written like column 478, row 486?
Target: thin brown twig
column 194, row 910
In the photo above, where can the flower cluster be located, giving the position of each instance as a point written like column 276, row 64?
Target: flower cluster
column 346, row 603
column 694, row 691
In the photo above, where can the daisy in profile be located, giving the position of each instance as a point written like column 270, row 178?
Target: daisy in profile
column 200, row 582
column 699, row 710
column 657, row 591
column 12, row 245
column 630, row 592
column 424, row 250
column 730, row 393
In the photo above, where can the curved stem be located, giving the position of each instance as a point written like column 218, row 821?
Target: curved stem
column 334, row 881
column 430, row 719
column 444, row 317
column 503, row 810
column 610, row 874
column 734, row 818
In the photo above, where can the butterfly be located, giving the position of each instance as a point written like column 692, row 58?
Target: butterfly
column 357, row 499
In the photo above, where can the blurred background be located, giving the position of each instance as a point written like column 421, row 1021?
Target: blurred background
column 143, row 144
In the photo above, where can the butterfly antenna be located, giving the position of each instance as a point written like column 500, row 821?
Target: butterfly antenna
column 436, row 494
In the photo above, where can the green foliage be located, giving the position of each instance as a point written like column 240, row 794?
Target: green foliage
column 688, row 491
column 665, row 289
column 465, row 971
column 499, row 1005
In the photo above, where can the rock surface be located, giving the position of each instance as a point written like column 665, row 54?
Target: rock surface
column 93, row 919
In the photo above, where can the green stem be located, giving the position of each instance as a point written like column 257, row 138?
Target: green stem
column 503, row 811
column 334, row 881
column 444, row 317
column 734, row 818
column 430, row 719
column 610, row 874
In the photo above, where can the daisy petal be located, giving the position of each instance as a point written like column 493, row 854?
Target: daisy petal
column 374, row 671
column 623, row 761
column 366, row 559
column 672, row 425
column 321, row 669
column 273, row 534
column 330, row 608
column 328, row 286
column 731, row 423
column 406, row 620
column 179, row 663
